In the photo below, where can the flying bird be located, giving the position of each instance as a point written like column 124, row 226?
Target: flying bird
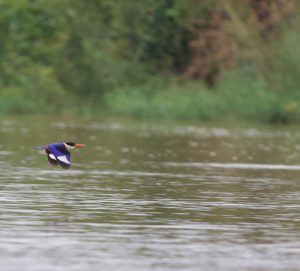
column 58, row 153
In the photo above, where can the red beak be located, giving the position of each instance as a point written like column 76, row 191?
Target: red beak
column 79, row 145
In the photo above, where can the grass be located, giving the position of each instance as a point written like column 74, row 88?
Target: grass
column 240, row 96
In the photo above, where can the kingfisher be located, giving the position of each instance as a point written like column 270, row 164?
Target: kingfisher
column 58, row 153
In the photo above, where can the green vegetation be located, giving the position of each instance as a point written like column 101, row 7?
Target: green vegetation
column 193, row 59
column 239, row 96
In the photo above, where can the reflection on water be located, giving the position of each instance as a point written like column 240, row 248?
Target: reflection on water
column 146, row 196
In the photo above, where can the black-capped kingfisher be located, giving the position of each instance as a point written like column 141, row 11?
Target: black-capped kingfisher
column 58, row 153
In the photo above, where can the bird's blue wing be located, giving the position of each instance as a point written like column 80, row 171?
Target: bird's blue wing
column 64, row 161
column 62, row 155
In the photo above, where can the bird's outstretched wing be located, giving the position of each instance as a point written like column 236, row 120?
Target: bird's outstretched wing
column 60, row 155
column 51, row 158
column 64, row 161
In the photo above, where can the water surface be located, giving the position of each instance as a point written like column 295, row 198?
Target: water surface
column 150, row 196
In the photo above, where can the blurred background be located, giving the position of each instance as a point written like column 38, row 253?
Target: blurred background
column 176, row 101
column 192, row 59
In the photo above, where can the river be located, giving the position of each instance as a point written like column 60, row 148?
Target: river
column 150, row 196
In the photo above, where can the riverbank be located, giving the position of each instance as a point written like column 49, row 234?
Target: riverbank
column 240, row 97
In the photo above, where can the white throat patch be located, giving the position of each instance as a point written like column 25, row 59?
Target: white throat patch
column 69, row 147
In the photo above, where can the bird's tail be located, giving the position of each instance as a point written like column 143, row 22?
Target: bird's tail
column 40, row 147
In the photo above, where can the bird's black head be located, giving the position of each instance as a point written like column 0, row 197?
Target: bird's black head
column 71, row 144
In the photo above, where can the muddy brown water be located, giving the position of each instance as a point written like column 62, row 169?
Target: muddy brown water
column 150, row 196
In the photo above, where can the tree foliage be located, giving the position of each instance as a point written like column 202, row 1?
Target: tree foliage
column 57, row 50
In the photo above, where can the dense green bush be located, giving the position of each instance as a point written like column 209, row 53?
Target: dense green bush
column 240, row 96
column 128, row 57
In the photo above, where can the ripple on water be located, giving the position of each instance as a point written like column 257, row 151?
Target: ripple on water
column 151, row 198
